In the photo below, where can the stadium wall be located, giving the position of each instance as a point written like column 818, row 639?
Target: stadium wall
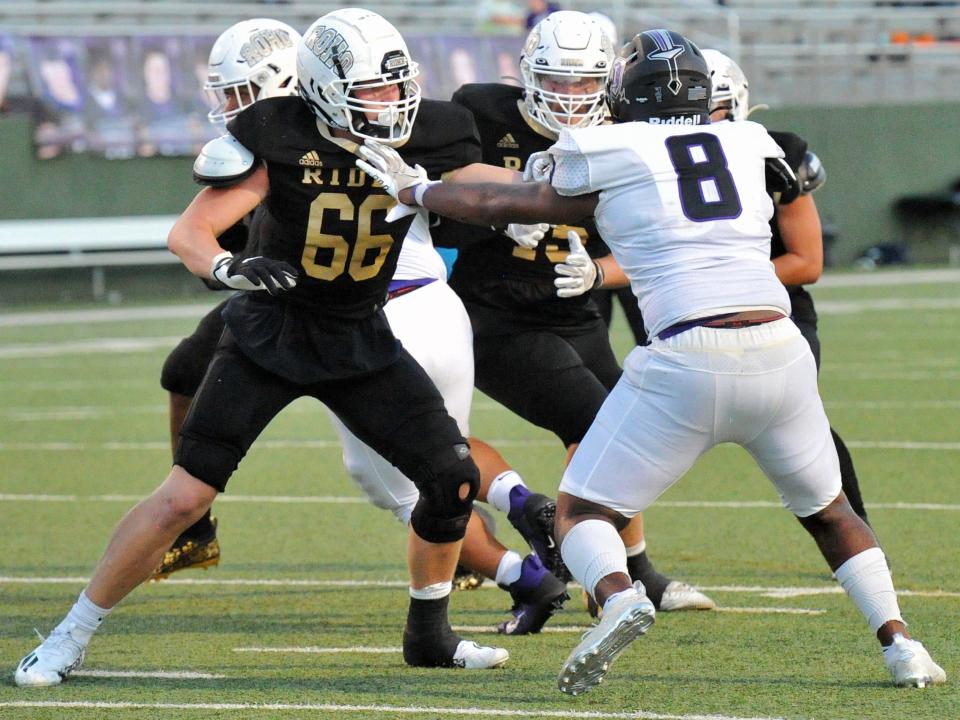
column 872, row 156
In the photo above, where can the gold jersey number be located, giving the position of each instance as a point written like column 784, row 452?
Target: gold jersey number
column 342, row 258
column 553, row 252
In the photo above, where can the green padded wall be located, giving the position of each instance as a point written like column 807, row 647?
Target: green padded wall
column 872, row 156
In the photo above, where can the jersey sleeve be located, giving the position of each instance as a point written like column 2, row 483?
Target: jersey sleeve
column 592, row 159
column 571, row 168
column 794, row 147
column 247, row 127
column 448, row 138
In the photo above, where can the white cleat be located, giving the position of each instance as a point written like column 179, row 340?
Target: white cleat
column 623, row 622
column 911, row 665
column 680, row 596
column 471, row 656
column 50, row 663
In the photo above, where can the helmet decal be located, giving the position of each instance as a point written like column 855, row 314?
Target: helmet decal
column 668, row 52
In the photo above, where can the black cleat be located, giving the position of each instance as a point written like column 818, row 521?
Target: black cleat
column 533, row 606
column 535, row 524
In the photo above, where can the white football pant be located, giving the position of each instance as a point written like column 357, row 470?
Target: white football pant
column 754, row 386
column 434, row 327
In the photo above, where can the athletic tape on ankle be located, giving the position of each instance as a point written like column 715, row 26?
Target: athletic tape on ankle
column 591, row 551
column 866, row 579
column 431, row 592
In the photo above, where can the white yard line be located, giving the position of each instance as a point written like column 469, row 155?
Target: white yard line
column 87, row 347
column 335, row 444
column 359, row 500
column 887, row 278
column 74, row 317
column 771, row 592
column 315, row 650
column 850, row 307
column 376, row 709
column 158, row 674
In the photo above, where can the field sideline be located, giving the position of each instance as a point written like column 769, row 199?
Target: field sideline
column 304, row 615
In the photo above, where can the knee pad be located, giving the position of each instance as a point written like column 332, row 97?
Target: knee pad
column 184, row 368
column 211, row 462
column 441, row 515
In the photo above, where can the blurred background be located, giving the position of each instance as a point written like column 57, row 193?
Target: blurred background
column 102, row 112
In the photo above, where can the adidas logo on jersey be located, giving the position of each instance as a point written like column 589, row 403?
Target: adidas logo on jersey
column 507, row 141
column 311, row 159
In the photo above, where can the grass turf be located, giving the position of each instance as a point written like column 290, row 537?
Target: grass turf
column 94, row 424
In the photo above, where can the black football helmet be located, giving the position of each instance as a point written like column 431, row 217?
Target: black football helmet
column 659, row 77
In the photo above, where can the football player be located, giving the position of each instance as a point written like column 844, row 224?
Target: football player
column 310, row 322
column 546, row 358
column 432, row 325
column 797, row 245
column 251, row 60
column 682, row 204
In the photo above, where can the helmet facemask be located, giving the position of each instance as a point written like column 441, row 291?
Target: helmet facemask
column 730, row 89
column 392, row 119
column 564, row 66
column 558, row 110
column 351, row 50
column 250, row 61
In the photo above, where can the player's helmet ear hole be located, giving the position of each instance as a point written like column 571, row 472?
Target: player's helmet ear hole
column 464, row 492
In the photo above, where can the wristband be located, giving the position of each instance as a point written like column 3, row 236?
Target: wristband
column 598, row 280
column 420, row 189
column 218, row 260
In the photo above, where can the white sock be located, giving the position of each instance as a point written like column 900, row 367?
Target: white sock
column 635, row 550
column 499, row 493
column 508, row 571
column 431, row 592
column 592, row 550
column 83, row 620
column 866, row 579
column 616, row 596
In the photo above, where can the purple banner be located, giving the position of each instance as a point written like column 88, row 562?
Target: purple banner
column 141, row 96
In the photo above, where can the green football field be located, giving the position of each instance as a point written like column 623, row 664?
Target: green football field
column 303, row 617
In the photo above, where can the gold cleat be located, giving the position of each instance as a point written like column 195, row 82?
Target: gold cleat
column 189, row 553
column 465, row 579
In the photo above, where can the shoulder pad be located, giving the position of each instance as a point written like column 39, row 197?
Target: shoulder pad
column 223, row 162
column 811, row 174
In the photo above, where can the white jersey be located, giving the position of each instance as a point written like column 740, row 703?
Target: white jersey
column 685, row 211
column 418, row 258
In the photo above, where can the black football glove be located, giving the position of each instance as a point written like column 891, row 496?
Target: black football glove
column 253, row 273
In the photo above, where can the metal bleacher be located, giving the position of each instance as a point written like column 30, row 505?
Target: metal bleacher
column 796, row 52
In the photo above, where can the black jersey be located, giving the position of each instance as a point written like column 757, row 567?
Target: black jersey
column 325, row 216
column 492, row 272
column 327, row 219
column 795, row 149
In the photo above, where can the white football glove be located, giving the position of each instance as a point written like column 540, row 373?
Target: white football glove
column 527, row 236
column 253, row 273
column 539, row 167
column 578, row 273
column 384, row 164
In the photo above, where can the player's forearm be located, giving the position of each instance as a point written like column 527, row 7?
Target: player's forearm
column 613, row 275
column 793, row 269
column 802, row 236
column 495, row 204
column 195, row 243
column 483, row 173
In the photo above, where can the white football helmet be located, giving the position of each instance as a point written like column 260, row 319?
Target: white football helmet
column 729, row 85
column 252, row 60
column 565, row 45
column 349, row 49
